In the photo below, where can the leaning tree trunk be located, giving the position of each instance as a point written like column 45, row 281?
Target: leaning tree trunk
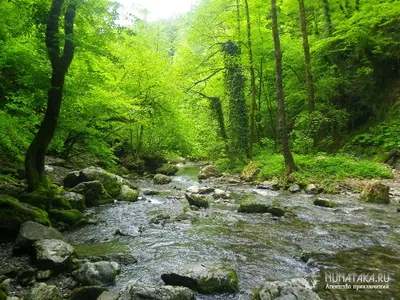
column 34, row 160
column 307, row 60
column 253, row 106
column 289, row 161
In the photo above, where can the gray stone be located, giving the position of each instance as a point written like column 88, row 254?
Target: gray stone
column 42, row 291
column 87, row 293
column 72, row 179
column 207, row 278
column 161, row 179
column 44, row 275
column 375, row 191
column 53, row 254
column 94, row 193
column 312, row 189
column 111, row 182
column 221, row 194
column 167, row 292
column 197, row 200
column 294, row 188
column 294, row 289
column 97, row 273
column 107, row 295
column 208, row 172
column 77, row 201
column 324, row 202
column 11, row 190
column 128, row 194
column 30, row 232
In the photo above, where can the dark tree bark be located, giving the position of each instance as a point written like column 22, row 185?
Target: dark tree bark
column 34, row 160
column 253, row 107
column 327, row 13
column 307, row 60
column 357, row 5
column 289, row 161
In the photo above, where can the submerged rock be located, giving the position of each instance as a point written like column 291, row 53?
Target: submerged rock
column 52, row 254
column 197, row 200
column 324, row 202
column 208, row 172
column 14, row 213
column 87, row 293
column 167, row 292
column 161, row 179
column 167, row 169
column 294, row 289
column 204, row 278
column 250, row 171
column 31, row 232
column 97, row 273
column 375, row 191
column 261, row 205
column 128, row 194
column 42, row 291
column 94, row 193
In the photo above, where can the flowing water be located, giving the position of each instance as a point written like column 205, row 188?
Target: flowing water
column 164, row 234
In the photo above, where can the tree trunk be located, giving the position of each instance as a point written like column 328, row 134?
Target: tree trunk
column 357, row 5
column 253, row 107
column 289, row 161
column 307, row 61
column 34, row 160
column 327, row 13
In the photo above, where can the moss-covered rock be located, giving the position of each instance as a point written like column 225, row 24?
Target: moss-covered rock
column 94, row 193
column 11, row 190
column 70, row 217
column 72, row 179
column 199, row 201
column 205, row 278
column 208, row 172
column 41, row 199
column 297, row 288
column 167, row 169
column 324, row 202
column 111, row 182
column 128, row 194
column 87, row 292
column 14, row 213
column 43, row 291
column 75, row 200
column 53, row 254
column 166, row 292
column 375, row 191
column 261, row 205
column 3, row 295
column 98, row 273
column 161, row 179
column 251, row 171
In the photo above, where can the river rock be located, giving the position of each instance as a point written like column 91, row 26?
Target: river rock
column 294, row 188
column 97, row 273
column 111, row 182
column 94, row 193
column 204, row 278
column 11, row 190
column 221, row 194
column 42, row 291
column 72, row 179
column 167, row 169
column 312, row 189
column 250, row 171
column 161, row 179
column 75, row 200
column 87, row 293
column 375, row 191
column 70, row 217
column 128, row 194
column 294, row 289
column 14, row 213
column 107, row 295
column 52, row 254
column 167, row 292
column 197, row 200
column 324, row 202
column 208, row 172
column 31, row 232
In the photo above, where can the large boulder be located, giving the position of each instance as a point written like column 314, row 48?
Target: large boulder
column 42, row 291
column 208, row 172
column 128, row 194
column 11, row 189
column 161, row 179
column 70, row 217
column 167, row 169
column 294, row 289
column 167, row 292
column 52, row 254
column 111, row 182
column 14, row 213
column 261, row 205
column 197, row 200
column 94, row 193
column 72, row 179
column 75, row 200
column 204, row 278
column 251, row 171
column 375, row 191
column 31, row 232
column 87, row 293
column 97, row 273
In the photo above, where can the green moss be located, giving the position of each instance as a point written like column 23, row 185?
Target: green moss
column 3, row 288
column 3, row 295
column 167, row 170
column 40, row 198
column 70, row 217
column 101, row 249
column 214, row 284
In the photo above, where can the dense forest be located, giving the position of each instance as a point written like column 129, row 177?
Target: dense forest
column 202, row 85
column 246, row 149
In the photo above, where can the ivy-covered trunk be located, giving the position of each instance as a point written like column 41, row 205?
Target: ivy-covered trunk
column 35, row 156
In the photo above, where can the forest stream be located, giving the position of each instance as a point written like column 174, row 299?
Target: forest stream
column 163, row 234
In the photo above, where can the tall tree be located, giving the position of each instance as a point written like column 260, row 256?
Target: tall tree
column 289, row 161
column 60, row 62
column 253, row 107
column 307, row 60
